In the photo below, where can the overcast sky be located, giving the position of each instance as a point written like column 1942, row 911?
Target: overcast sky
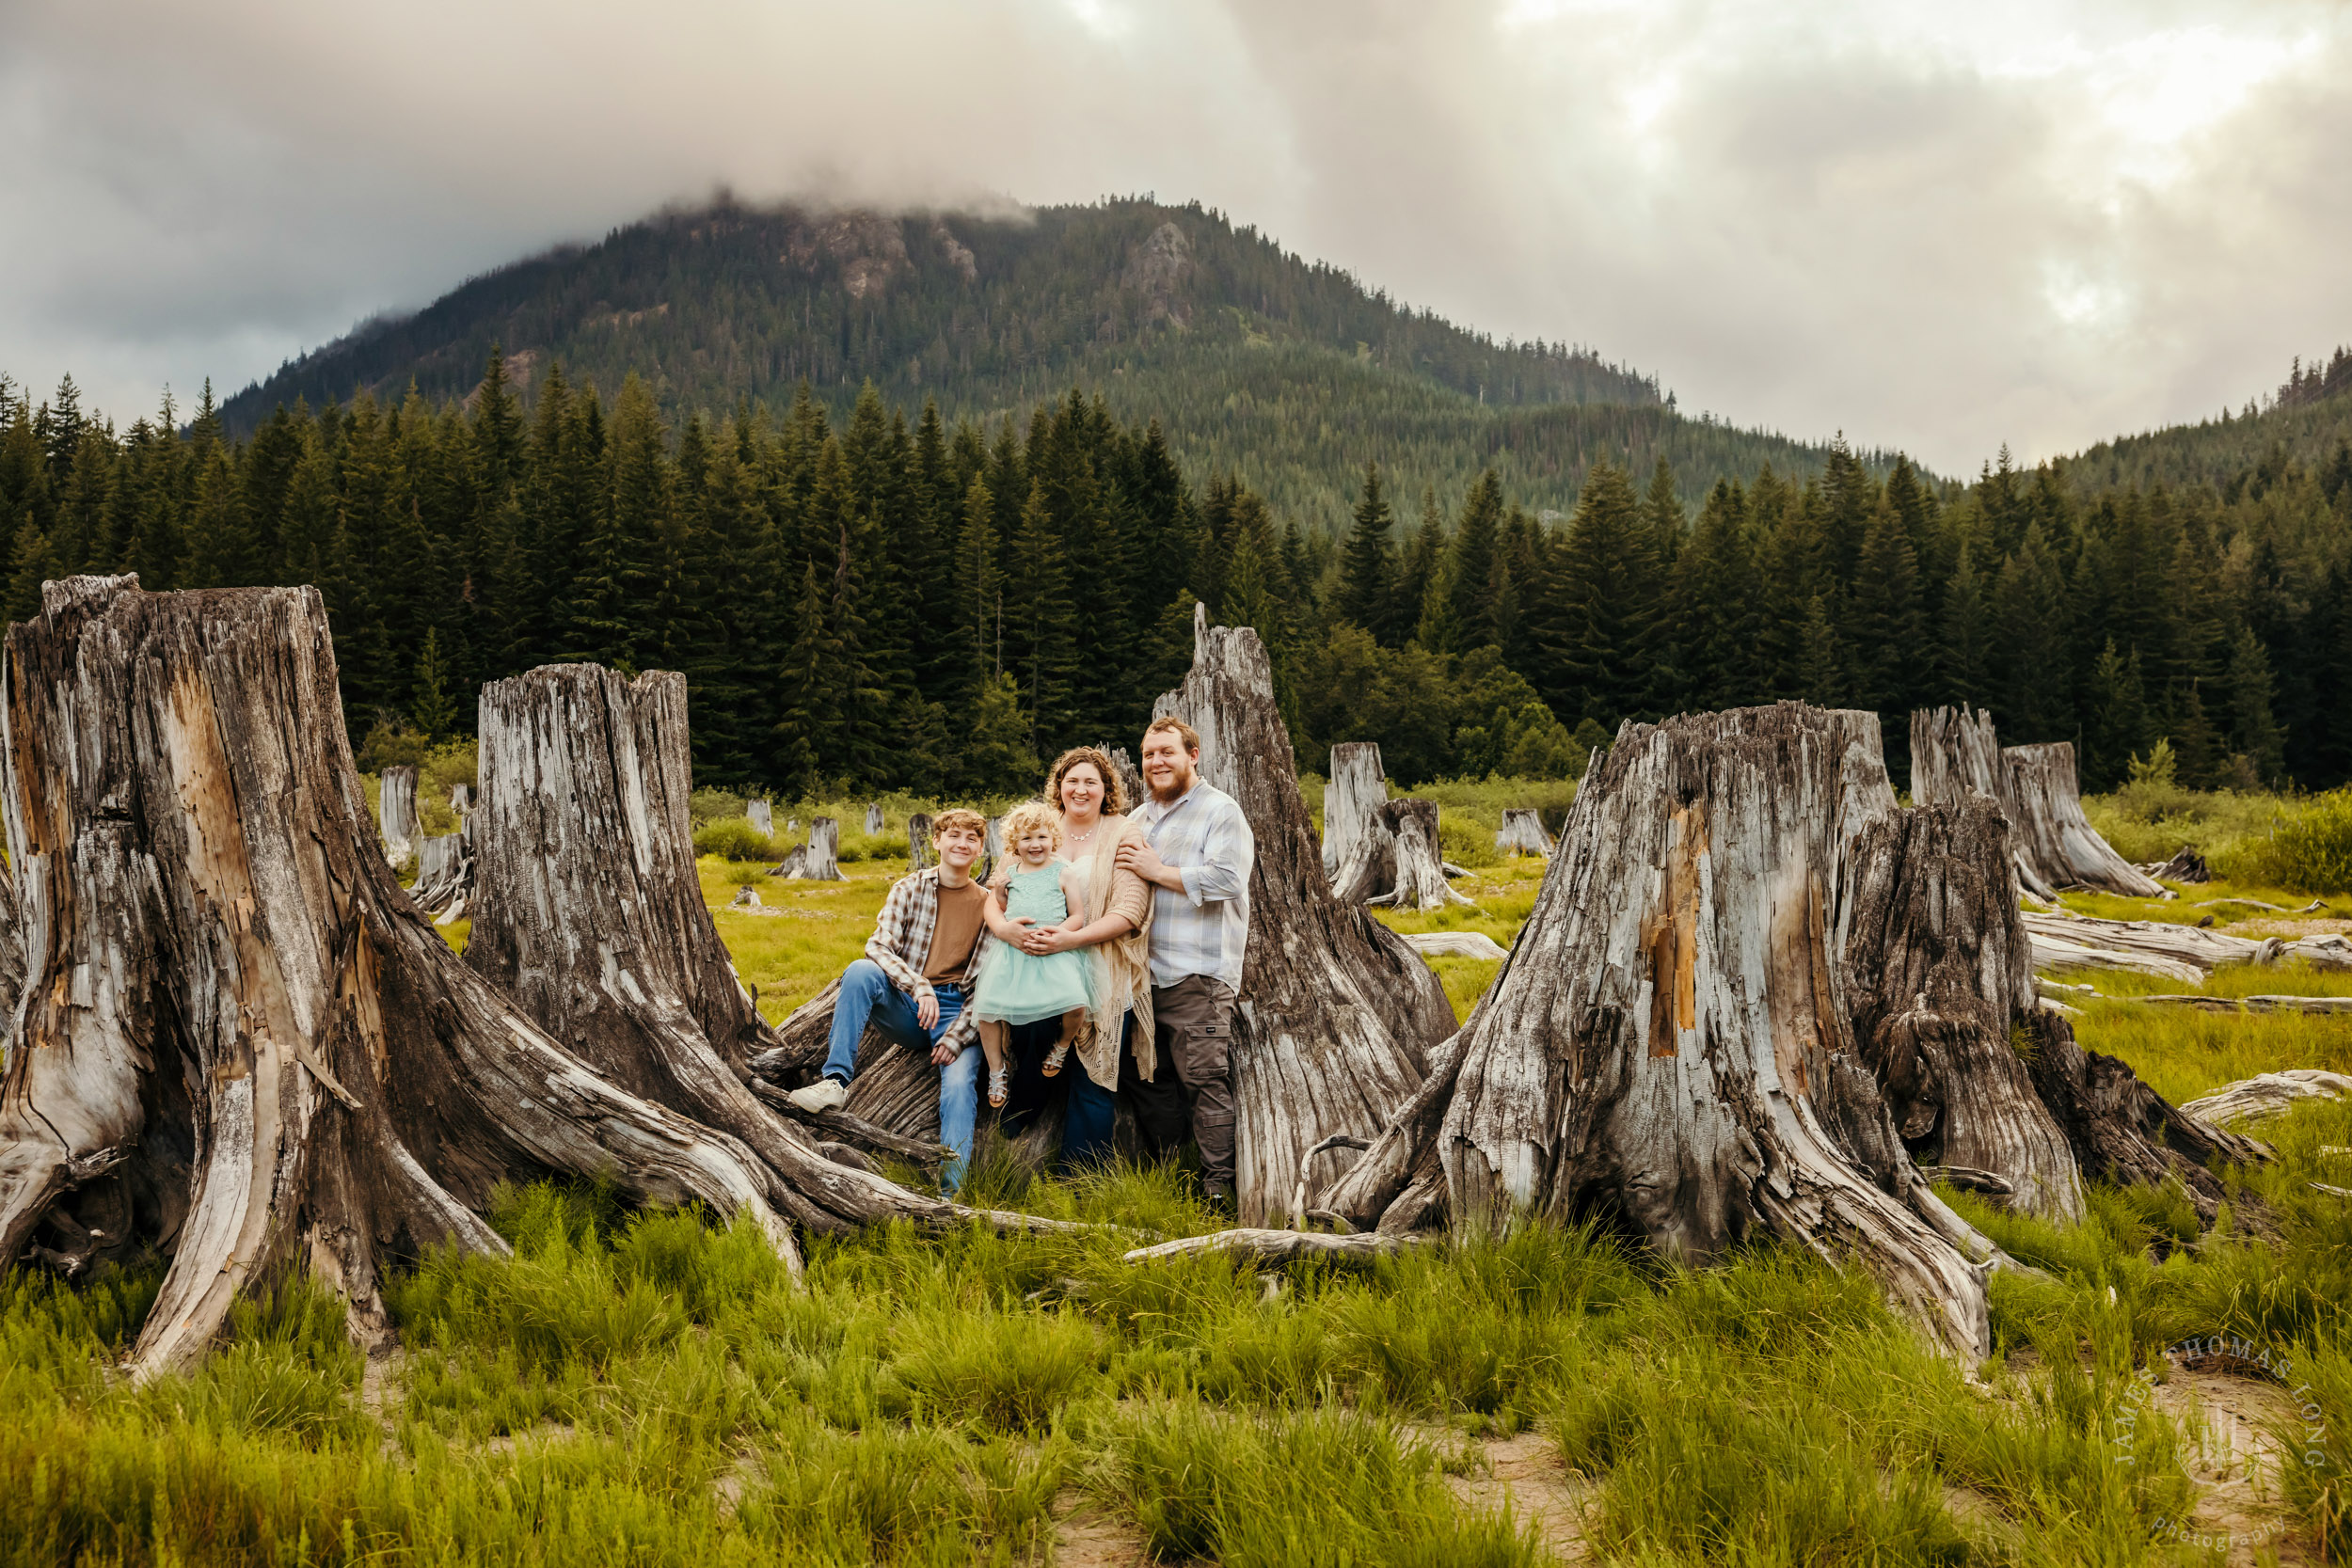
column 1934, row 225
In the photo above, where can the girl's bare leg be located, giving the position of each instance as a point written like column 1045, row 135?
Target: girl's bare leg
column 993, row 1038
column 1071, row 1021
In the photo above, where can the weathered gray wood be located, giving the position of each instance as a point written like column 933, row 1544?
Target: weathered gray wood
column 873, row 817
column 1393, row 859
column 761, row 816
column 1130, row 781
column 461, row 798
column 920, row 855
column 2267, row 1094
column 818, row 861
column 1955, row 754
column 2041, row 795
column 590, row 917
column 2187, row 865
column 1280, row 1247
column 283, row 1068
column 1338, row 1014
column 445, row 876
column 2260, row 1004
column 396, row 804
column 2189, row 951
column 1523, row 833
column 992, row 849
column 1940, row 973
column 1456, row 944
column 1358, row 788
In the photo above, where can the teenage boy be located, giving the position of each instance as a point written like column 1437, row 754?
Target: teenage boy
column 914, row 982
column 1197, row 861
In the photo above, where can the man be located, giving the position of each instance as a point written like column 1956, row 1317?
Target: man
column 914, row 982
column 1198, row 861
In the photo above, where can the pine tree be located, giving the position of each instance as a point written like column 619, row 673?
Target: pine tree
column 1599, row 628
column 2253, row 731
column 1470, row 566
column 1418, row 573
column 2116, row 725
column 980, row 590
column 805, row 734
column 1367, row 568
column 2031, row 628
column 1888, row 631
column 1822, row 677
column 1042, row 623
column 1663, row 509
column 432, row 710
column 35, row 565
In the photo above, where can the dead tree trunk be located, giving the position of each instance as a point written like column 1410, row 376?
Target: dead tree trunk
column 1339, row 1014
column 461, row 798
column 590, row 917
column 243, row 1046
column 819, row 862
column 1942, row 975
column 396, row 804
column 1357, row 791
column 1130, row 781
column 1394, row 861
column 873, row 817
column 920, row 855
column 1954, row 754
column 445, row 875
column 1523, row 833
column 761, row 817
column 2043, row 796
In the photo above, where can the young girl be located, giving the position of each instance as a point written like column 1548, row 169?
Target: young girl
column 1021, row 988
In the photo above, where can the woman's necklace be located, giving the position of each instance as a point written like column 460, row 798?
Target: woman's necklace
column 1087, row 836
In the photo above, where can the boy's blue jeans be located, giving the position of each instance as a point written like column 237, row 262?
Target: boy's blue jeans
column 869, row 997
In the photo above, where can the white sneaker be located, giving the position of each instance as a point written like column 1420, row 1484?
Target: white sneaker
column 826, row 1094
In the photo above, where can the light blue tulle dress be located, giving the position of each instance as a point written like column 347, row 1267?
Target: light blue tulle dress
column 1022, row 988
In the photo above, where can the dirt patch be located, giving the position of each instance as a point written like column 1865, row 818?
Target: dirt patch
column 1526, row 1472
column 2228, row 1447
column 1088, row 1535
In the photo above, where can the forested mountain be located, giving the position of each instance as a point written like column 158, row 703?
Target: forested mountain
column 1291, row 374
column 893, row 600
column 2305, row 422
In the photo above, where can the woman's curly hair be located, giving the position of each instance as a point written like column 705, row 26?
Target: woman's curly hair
column 1115, row 800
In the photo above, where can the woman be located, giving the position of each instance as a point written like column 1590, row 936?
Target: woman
column 1086, row 787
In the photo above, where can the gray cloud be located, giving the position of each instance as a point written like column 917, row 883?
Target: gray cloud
column 1933, row 227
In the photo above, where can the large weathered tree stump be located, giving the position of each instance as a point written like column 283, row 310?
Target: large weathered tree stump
column 817, row 860
column 1954, row 754
column 1358, row 788
column 396, row 804
column 445, row 869
column 590, row 915
column 242, row 1045
column 1394, row 861
column 1339, row 1014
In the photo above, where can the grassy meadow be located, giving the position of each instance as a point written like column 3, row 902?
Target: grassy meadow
column 650, row 1387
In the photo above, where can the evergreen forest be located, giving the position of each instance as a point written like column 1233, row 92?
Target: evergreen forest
column 890, row 599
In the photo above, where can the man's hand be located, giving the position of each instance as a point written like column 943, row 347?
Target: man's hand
column 1145, row 862
column 943, row 1053
column 927, row 1009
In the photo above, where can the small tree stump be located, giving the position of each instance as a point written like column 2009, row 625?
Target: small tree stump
column 396, row 802
column 1394, row 861
column 761, row 816
column 1523, row 833
column 873, row 817
column 461, row 798
column 445, row 875
column 1358, row 788
column 819, row 862
column 920, row 855
column 1338, row 1013
column 992, row 849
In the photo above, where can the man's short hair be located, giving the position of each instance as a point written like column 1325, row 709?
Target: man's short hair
column 958, row 816
column 1170, row 721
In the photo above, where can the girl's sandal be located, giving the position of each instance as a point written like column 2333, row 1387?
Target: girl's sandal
column 1055, row 1058
column 999, row 1084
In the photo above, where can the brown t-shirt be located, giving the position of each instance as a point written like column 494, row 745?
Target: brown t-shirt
column 957, row 929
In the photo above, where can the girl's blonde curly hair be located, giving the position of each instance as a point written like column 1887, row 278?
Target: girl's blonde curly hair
column 1028, row 817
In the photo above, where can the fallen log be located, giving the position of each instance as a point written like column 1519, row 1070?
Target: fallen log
column 2199, row 950
column 2187, row 865
column 286, row 1068
column 2269, row 1003
column 1280, row 1247
column 2266, row 1095
column 2051, row 955
column 1394, row 861
column 1523, row 833
column 1357, row 789
column 1456, row 944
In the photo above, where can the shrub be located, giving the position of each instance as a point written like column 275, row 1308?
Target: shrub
column 734, row 838
column 2310, row 851
column 1466, row 841
column 708, row 805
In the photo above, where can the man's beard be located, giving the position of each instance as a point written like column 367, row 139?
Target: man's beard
column 1177, row 784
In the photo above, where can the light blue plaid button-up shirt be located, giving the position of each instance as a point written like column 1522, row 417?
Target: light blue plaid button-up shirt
column 1202, row 929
